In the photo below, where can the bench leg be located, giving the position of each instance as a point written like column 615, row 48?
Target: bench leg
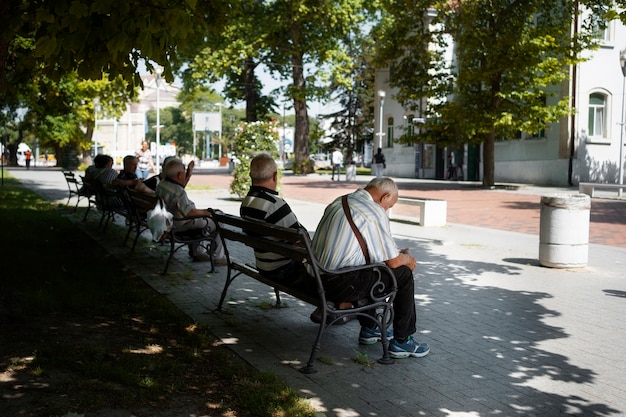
column 169, row 257
column 310, row 365
column 386, row 317
column 278, row 301
column 229, row 280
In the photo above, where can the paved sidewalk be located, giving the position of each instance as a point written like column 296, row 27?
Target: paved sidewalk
column 507, row 336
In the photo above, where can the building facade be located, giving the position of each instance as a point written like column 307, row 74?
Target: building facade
column 123, row 136
column 583, row 147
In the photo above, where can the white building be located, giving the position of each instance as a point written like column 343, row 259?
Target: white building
column 123, row 136
column 595, row 131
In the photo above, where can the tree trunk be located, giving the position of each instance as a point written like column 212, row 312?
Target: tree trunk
column 301, row 137
column 250, row 91
column 488, row 160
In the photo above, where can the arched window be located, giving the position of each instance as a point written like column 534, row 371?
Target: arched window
column 597, row 115
column 390, row 132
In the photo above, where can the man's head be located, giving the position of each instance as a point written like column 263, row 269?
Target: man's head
column 103, row 161
column 166, row 161
column 130, row 163
column 175, row 170
column 384, row 192
column 263, row 171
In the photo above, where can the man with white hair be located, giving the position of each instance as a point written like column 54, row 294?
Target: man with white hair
column 172, row 191
column 336, row 245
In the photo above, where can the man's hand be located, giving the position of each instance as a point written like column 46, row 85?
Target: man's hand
column 403, row 258
column 189, row 171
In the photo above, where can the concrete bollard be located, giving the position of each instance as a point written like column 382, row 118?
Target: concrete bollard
column 564, row 230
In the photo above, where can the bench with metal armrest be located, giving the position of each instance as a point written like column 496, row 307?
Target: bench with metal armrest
column 295, row 244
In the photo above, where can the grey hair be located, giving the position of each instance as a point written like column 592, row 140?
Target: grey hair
column 173, row 167
column 262, row 167
column 166, row 161
column 384, row 184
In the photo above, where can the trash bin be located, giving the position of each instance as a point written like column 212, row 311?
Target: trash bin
column 350, row 171
column 564, row 230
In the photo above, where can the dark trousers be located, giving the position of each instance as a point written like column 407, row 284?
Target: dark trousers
column 355, row 286
column 338, row 168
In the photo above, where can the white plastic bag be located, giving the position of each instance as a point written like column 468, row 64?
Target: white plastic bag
column 160, row 220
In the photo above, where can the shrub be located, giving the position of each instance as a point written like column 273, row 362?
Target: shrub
column 250, row 139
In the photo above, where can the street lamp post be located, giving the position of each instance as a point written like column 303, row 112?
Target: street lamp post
column 157, row 72
column 381, row 102
column 622, row 63
column 96, row 109
column 219, row 145
column 283, row 154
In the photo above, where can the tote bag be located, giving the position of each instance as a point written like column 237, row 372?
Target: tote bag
column 160, row 220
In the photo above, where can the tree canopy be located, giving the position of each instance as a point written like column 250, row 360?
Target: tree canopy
column 301, row 42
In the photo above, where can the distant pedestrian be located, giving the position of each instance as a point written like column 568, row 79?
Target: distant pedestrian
column 451, row 167
column 27, row 155
column 45, row 158
column 145, row 166
column 379, row 163
column 337, row 160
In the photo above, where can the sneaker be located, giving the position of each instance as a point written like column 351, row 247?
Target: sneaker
column 369, row 336
column 411, row 347
column 202, row 257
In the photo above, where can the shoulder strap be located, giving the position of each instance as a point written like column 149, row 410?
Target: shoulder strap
column 359, row 237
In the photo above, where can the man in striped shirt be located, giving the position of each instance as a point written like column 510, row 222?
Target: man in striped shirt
column 263, row 203
column 336, row 246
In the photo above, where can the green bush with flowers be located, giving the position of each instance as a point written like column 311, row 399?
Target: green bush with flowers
column 251, row 139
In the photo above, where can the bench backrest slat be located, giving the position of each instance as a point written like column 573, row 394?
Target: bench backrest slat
column 253, row 233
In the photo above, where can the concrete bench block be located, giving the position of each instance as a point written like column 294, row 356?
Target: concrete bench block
column 432, row 212
column 589, row 187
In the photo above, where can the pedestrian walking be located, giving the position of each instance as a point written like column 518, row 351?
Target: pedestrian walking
column 451, row 167
column 379, row 163
column 337, row 160
column 145, row 165
column 27, row 155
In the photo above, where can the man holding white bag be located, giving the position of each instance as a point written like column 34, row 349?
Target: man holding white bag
column 172, row 192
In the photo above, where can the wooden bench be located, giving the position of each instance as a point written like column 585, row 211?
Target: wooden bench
column 589, row 187
column 433, row 212
column 295, row 244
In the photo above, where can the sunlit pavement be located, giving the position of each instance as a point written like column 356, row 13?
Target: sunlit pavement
column 508, row 337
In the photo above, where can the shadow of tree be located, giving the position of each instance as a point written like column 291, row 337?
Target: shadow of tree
column 599, row 171
column 486, row 344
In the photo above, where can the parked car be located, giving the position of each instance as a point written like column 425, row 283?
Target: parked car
column 321, row 161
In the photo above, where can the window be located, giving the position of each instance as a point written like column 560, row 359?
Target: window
column 542, row 133
column 601, row 30
column 597, row 115
column 390, row 132
column 410, row 129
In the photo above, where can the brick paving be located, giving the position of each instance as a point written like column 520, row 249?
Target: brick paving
column 514, row 208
